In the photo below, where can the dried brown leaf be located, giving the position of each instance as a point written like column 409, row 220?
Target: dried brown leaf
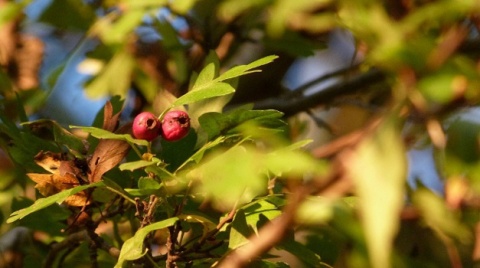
column 49, row 184
column 106, row 156
column 108, row 153
column 64, row 175
column 48, row 161
column 110, row 120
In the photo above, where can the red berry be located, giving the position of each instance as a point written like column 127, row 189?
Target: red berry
column 175, row 125
column 146, row 126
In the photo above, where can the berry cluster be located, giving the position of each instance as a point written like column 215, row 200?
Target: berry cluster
column 174, row 126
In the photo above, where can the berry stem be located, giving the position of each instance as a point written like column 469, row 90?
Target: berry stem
column 149, row 147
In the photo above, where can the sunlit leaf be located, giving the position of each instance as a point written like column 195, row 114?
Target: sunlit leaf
column 315, row 210
column 45, row 202
column 205, row 87
column 198, row 155
column 231, row 177
column 136, row 165
column 228, row 10
column 205, row 76
column 291, row 162
column 182, row 6
column 247, row 221
column 215, row 124
column 104, row 134
column 118, row 31
column 133, row 248
column 377, row 168
column 207, row 91
column 9, row 11
column 438, row 216
column 239, row 231
column 260, row 210
column 114, row 79
column 245, row 69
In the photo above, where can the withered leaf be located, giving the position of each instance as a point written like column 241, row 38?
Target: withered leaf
column 110, row 120
column 64, row 175
column 48, row 161
column 106, row 156
column 108, row 153
column 55, row 163
column 49, row 184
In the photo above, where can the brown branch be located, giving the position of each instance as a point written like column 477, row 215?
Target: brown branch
column 290, row 106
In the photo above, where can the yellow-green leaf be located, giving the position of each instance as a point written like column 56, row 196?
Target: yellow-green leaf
column 377, row 167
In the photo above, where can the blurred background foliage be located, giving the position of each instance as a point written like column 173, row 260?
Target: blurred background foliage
column 387, row 90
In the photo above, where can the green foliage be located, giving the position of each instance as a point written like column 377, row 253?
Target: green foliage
column 94, row 195
column 132, row 249
column 48, row 201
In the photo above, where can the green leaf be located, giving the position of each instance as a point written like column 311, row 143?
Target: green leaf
column 438, row 216
column 175, row 153
column 22, row 145
column 240, row 231
column 208, row 90
column 245, row 69
column 315, row 210
column 47, row 201
column 182, row 6
column 9, row 11
column 57, row 133
column 231, row 177
column 294, row 44
column 148, row 183
column 198, row 155
column 310, row 258
column 68, row 14
column 230, row 9
column 377, row 168
column 440, row 87
column 160, row 172
column 270, row 264
column 249, row 219
column 104, row 134
column 205, row 76
column 289, row 161
column 215, row 124
column 133, row 248
column 146, row 186
column 114, row 79
column 118, row 31
column 131, row 166
column 205, row 87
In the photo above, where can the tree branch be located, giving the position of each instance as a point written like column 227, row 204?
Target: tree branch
column 291, row 105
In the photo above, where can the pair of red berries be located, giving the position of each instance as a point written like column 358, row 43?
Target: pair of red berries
column 173, row 127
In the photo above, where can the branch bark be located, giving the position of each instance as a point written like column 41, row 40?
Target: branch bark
column 291, row 105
